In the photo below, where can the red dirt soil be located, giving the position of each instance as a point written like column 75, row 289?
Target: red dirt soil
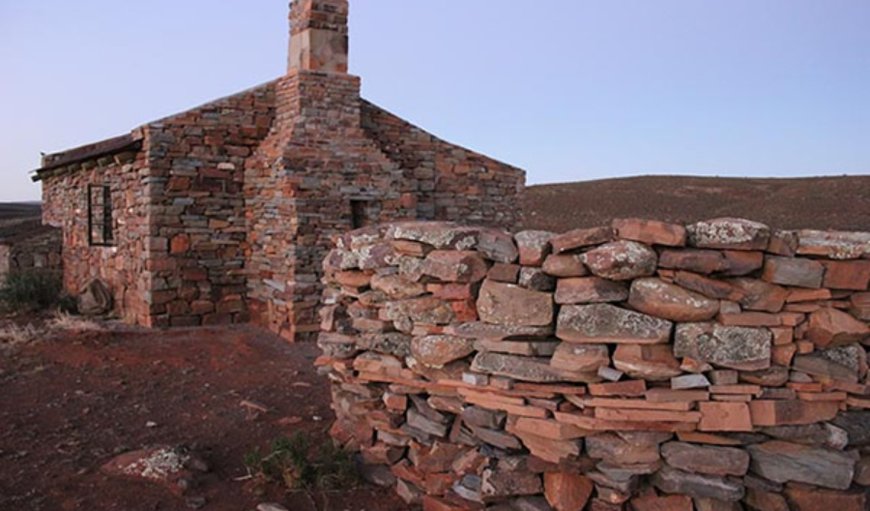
column 70, row 404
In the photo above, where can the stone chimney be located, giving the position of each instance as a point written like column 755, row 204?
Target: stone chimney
column 318, row 36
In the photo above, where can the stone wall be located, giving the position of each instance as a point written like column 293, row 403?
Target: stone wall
column 637, row 366
column 33, row 247
column 121, row 266
column 447, row 182
column 197, row 228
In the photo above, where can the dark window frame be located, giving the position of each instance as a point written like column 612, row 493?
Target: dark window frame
column 100, row 223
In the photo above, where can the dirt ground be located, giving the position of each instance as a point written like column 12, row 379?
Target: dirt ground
column 69, row 404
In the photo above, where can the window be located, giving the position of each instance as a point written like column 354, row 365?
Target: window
column 100, row 233
column 359, row 213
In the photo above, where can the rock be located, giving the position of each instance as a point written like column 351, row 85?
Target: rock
column 95, row 299
column 811, row 434
column 757, row 295
column 765, row 500
column 653, row 362
column 720, row 461
column 483, row 331
column 615, row 449
column 784, row 462
column 708, row 287
column 589, row 290
column 671, row 480
column 862, row 471
column 830, row 327
column 481, row 417
column 774, row 376
column 621, row 260
column 498, row 484
column 698, row 261
column 507, row 304
column 389, row 343
column 172, row 467
column 397, row 287
column 833, row 244
column 453, row 266
column 580, row 357
column 337, row 346
column 536, row 279
column 851, row 356
column 409, row 493
column 690, row 381
column 716, row 505
column 271, row 506
column 566, row 491
column 790, row 271
column 525, row 368
column 859, row 306
column 742, row 262
column 580, row 238
column 808, row 498
column 534, row 246
column 663, row 300
column 604, row 323
column 525, row 348
column 852, row 275
column 565, row 265
column 733, row 347
column 791, row 412
column 501, row 272
column 729, row 233
column 651, row 232
column 441, row 235
column 818, row 365
column 662, row 503
column 857, row 426
column 427, row 310
column 723, row 416
column 439, row 350
column 497, row 245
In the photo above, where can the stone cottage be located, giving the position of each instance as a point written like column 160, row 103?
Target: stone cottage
column 222, row 214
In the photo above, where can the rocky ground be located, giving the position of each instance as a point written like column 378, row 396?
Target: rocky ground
column 71, row 403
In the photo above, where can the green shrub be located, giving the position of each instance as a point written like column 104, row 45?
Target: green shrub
column 31, row 290
column 293, row 462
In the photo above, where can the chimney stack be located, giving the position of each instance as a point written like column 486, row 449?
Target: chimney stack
column 318, row 36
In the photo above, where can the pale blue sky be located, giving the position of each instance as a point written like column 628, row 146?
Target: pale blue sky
column 568, row 89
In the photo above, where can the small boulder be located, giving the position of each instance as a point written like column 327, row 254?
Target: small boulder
column 621, row 260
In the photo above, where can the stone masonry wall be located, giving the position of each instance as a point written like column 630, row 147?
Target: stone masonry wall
column 197, row 229
column 40, row 248
column 300, row 189
column 637, row 366
column 122, row 266
column 448, row 182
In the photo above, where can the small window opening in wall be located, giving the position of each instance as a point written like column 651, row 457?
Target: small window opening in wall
column 359, row 213
column 100, row 233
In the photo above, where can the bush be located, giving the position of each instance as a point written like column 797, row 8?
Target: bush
column 31, row 290
column 293, row 462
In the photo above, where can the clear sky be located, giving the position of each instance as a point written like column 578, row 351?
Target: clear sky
column 568, row 89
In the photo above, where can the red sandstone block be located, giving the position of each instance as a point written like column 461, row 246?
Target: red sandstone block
column 662, row 503
column 698, row 261
column 853, row 275
column 503, row 272
column 724, row 416
column 782, row 413
column 651, row 232
column 580, row 238
column 742, row 262
column 750, row 319
column 628, row 388
column 807, row 295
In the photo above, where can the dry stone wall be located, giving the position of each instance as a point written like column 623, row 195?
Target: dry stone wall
column 636, row 366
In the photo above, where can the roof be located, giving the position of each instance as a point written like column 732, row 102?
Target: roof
column 108, row 147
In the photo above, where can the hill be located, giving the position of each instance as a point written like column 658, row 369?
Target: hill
column 822, row 202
